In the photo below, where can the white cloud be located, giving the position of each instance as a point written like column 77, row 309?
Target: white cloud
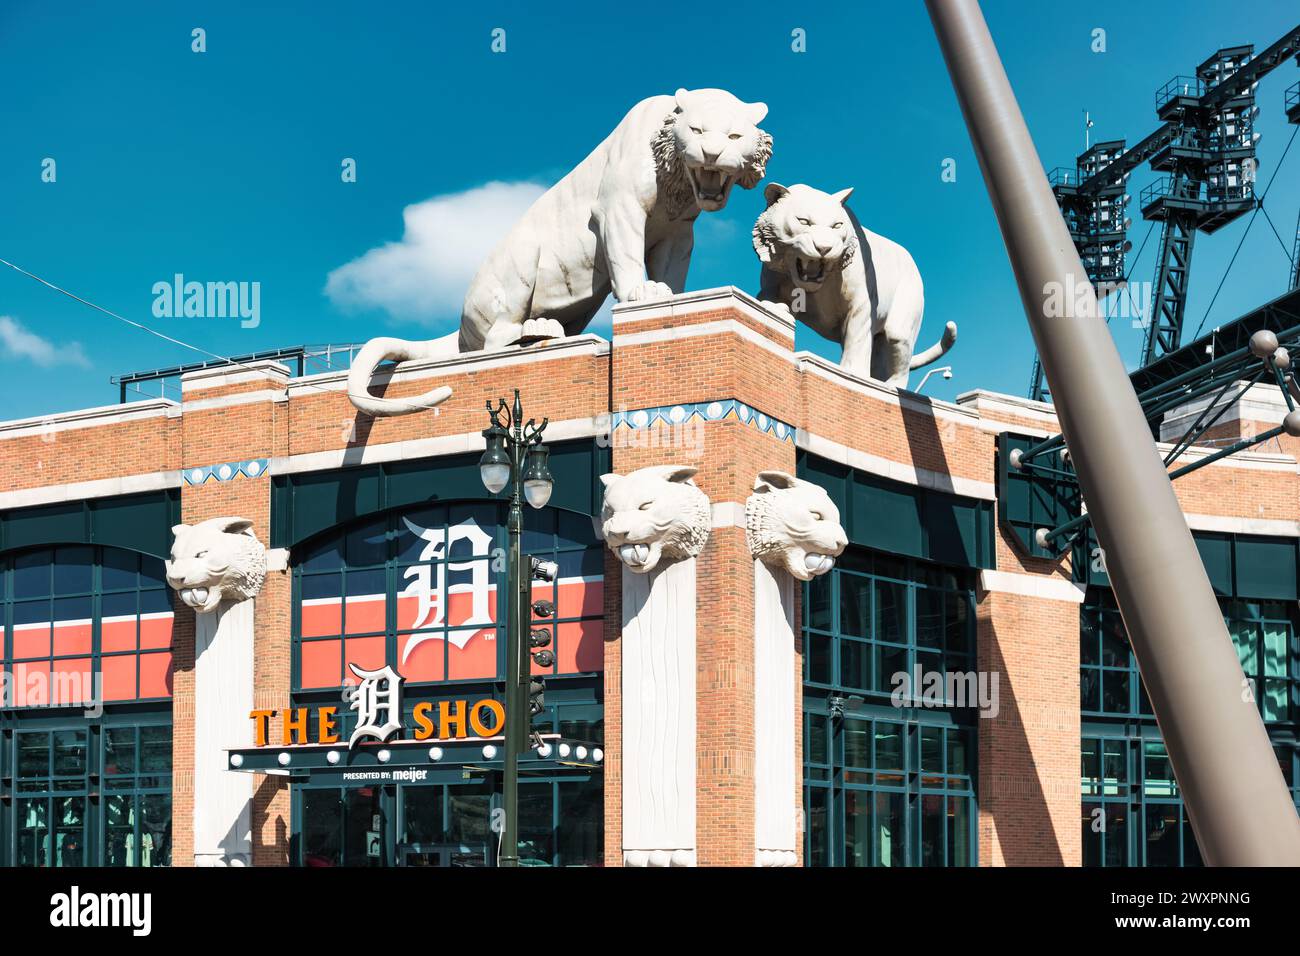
column 444, row 240
column 19, row 342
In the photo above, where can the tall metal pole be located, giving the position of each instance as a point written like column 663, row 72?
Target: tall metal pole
column 1233, row 789
column 514, row 629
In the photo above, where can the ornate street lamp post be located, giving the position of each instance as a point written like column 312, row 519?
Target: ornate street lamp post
column 515, row 456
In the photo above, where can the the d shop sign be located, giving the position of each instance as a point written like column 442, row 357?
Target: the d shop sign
column 377, row 699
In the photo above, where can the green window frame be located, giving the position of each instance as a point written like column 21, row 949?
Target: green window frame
column 74, row 614
column 86, row 792
column 1264, row 634
column 376, row 557
column 561, row 821
column 889, row 779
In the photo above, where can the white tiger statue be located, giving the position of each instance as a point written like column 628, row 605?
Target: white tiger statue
column 846, row 283
column 793, row 524
column 215, row 560
column 623, row 220
column 653, row 515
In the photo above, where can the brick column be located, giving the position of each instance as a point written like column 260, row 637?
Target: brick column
column 232, row 423
column 1029, row 794
column 705, row 379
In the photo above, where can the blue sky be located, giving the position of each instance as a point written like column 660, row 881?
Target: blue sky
column 225, row 165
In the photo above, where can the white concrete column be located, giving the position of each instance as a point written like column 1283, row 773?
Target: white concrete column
column 223, row 697
column 659, row 716
column 775, row 809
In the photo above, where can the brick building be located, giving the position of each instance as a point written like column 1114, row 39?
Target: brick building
column 383, row 550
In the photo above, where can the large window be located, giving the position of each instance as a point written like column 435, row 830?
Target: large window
column 87, row 792
column 83, row 623
column 1133, row 813
column 450, row 823
column 889, row 777
column 1263, row 632
column 424, row 591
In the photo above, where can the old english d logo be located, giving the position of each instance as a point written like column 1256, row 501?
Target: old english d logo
column 378, row 697
column 433, row 596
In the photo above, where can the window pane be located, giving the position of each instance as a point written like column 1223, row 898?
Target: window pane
column 933, row 826
column 1092, row 835
column 1088, row 639
column 817, row 744
column 855, row 664
column 33, row 755
column 119, row 750
column 857, row 828
column 32, row 574
column 957, row 623
column 959, row 820
column 1114, row 642
column 72, row 570
column 1162, row 835
column 890, row 838
column 1115, row 692
column 69, row 752
column 818, row 834
column 367, row 545
column 855, row 604
column 891, row 669
column 857, row 743
column 891, row 612
column 119, row 569
column 932, row 750
column 929, row 618
column 889, row 746
column 322, row 828
column 1116, row 834
column 155, row 829
column 817, row 655
column 818, row 593
column 958, row 742
column 1275, row 642
column 536, row 830
column 580, row 834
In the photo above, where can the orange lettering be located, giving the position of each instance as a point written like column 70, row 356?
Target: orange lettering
column 295, row 726
column 261, row 723
column 479, row 726
column 423, row 723
column 326, row 726
column 450, row 725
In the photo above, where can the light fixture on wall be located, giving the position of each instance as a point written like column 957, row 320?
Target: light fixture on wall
column 946, row 371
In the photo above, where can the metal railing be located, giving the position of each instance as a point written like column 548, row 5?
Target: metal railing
column 301, row 360
column 1179, row 86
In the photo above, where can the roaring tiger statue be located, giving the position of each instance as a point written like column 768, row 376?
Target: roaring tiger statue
column 654, row 515
column 215, row 560
column 846, row 283
column 623, row 221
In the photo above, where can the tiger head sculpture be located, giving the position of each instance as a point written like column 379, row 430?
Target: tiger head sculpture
column 792, row 523
column 805, row 234
column 654, row 515
column 215, row 560
column 710, row 142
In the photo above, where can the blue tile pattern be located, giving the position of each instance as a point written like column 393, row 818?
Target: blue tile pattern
column 705, row 411
column 227, row 471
